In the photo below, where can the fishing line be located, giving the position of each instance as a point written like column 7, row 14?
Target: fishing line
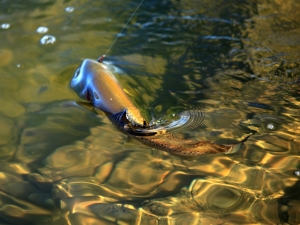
column 102, row 57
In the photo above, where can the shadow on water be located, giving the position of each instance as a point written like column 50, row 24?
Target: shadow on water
column 289, row 205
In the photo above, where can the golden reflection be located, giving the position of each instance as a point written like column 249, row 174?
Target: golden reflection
column 282, row 164
column 17, row 168
column 216, row 166
column 266, row 211
column 103, row 171
column 86, row 220
column 137, row 174
column 172, row 181
column 219, row 197
column 6, row 56
column 70, row 161
column 109, row 212
column 22, row 210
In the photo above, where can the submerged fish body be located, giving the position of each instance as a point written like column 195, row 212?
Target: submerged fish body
column 94, row 82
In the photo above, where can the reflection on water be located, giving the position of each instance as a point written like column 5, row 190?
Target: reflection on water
column 236, row 60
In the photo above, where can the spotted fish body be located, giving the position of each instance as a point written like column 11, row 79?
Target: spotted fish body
column 178, row 146
column 94, row 82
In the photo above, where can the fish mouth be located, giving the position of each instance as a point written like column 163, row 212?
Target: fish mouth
column 137, row 131
column 134, row 117
column 137, row 125
column 143, row 130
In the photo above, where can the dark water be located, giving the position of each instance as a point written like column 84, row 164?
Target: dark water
column 238, row 61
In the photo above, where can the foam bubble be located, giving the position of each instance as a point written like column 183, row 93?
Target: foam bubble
column 270, row 126
column 5, row 26
column 69, row 9
column 48, row 39
column 42, row 30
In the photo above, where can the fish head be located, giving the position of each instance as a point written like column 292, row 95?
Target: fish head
column 82, row 80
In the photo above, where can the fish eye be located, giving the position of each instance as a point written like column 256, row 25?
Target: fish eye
column 77, row 72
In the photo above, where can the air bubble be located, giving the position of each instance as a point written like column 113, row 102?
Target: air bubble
column 48, row 39
column 270, row 126
column 42, row 30
column 5, row 26
column 69, row 9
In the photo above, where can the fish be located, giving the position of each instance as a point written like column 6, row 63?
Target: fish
column 94, row 82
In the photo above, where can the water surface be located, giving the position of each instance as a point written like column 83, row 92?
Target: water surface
column 238, row 61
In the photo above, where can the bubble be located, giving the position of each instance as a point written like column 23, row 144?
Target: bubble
column 270, row 126
column 297, row 173
column 69, row 9
column 48, row 39
column 5, row 26
column 42, row 30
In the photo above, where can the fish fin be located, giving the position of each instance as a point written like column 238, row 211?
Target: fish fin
column 120, row 117
column 236, row 148
column 246, row 136
column 86, row 105
column 139, row 131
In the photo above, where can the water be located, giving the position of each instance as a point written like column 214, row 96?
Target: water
column 237, row 60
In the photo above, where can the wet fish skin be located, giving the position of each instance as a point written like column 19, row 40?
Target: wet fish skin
column 94, row 82
column 169, row 143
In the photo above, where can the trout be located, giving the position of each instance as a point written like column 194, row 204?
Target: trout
column 94, row 82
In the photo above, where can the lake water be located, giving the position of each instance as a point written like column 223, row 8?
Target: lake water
column 237, row 61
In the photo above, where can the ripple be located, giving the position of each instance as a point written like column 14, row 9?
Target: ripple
column 124, row 214
column 211, row 37
column 189, row 119
column 48, row 39
column 219, row 197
